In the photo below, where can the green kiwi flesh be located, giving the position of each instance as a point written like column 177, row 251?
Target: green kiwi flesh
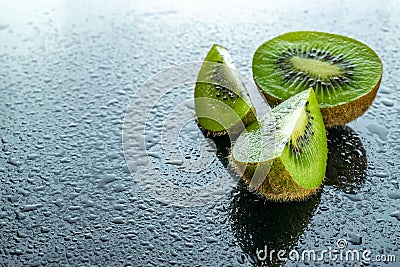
column 344, row 73
column 221, row 100
column 297, row 149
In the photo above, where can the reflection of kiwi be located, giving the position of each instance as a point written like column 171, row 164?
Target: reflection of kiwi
column 297, row 149
column 221, row 100
column 223, row 146
column 257, row 223
column 344, row 73
column 347, row 161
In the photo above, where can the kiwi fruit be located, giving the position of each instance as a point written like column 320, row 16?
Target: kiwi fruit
column 344, row 73
column 221, row 101
column 292, row 157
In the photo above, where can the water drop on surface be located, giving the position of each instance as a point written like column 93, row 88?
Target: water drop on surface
column 394, row 195
column 387, row 102
column 356, row 197
column 395, row 214
column 355, row 239
column 379, row 130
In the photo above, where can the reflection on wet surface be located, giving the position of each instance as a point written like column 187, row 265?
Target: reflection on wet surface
column 347, row 160
column 257, row 223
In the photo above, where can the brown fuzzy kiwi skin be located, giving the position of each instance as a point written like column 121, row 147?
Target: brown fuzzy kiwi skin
column 235, row 129
column 341, row 114
column 278, row 186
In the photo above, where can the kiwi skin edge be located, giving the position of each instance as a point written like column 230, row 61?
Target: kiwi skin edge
column 278, row 186
column 341, row 114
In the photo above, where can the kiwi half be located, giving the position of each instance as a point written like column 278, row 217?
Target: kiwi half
column 221, row 100
column 297, row 149
column 344, row 73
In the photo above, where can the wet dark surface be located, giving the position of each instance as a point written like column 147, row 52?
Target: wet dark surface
column 68, row 73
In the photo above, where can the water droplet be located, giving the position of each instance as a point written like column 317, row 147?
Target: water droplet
column 118, row 220
column 356, row 197
column 379, row 130
column 355, row 239
column 14, row 161
column 31, row 207
column 3, row 26
column 211, row 240
column 394, row 195
column 387, row 102
column 106, row 179
column 396, row 214
column 32, row 156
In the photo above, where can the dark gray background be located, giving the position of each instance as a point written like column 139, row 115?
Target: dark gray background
column 67, row 73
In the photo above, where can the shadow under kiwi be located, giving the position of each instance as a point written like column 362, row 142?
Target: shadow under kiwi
column 347, row 160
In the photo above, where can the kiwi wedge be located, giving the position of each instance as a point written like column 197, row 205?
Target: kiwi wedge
column 221, row 101
column 291, row 158
column 344, row 73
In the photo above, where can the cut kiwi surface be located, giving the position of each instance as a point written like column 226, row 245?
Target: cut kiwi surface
column 291, row 157
column 344, row 73
column 221, row 100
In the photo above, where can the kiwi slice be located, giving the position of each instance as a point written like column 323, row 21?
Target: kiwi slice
column 297, row 150
column 344, row 73
column 221, row 100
